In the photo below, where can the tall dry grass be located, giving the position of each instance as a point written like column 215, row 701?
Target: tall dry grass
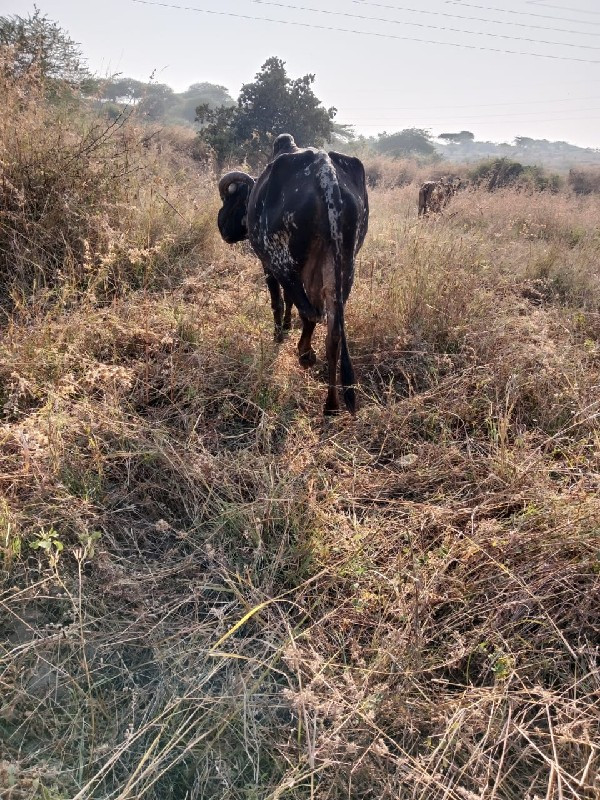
column 208, row 591
column 92, row 205
column 384, row 172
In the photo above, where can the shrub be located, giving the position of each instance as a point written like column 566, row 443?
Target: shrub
column 536, row 179
column 386, row 172
column 499, row 173
column 585, row 180
column 84, row 197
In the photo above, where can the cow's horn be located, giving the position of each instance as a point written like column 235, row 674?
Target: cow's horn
column 230, row 177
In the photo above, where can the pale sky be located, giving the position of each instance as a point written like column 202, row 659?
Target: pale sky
column 378, row 82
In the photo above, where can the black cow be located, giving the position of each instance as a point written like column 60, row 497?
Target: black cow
column 430, row 197
column 435, row 195
column 306, row 218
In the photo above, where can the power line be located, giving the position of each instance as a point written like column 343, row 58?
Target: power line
column 470, row 117
column 476, row 123
column 566, row 8
column 423, row 25
column 313, row 26
column 476, row 105
column 531, row 26
column 521, row 13
column 509, row 114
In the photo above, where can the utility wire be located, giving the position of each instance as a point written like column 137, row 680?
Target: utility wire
column 511, row 113
column 520, row 13
column 531, row 25
column 473, row 118
column 475, row 123
column 565, row 8
column 423, row 25
column 313, row 26
column 475, row 105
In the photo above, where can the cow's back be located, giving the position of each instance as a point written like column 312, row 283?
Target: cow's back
column 292, row 201
column 286, row 197
column 355, row 201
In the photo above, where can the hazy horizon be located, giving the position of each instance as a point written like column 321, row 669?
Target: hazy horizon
column 458, row 76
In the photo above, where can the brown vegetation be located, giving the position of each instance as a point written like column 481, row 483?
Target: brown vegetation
column 393, row 173
column 208, row 591
column 91, row 205
column 585, row 180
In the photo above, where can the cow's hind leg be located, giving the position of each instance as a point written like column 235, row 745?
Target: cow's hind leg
column 332, row 347
column 277, row 306
column 287, row 317
column 306, row 355
column 291, row 283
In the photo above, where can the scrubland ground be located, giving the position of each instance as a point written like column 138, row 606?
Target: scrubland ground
column 210, row 591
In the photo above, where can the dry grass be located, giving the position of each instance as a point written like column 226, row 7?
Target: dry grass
column 585, row 180
column 384, row 172
column 208, row 591
column 92, row 206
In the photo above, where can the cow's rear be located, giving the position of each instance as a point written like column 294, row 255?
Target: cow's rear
column 307, row 217
column 346, row 209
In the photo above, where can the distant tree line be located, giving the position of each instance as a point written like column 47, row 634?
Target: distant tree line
column 37, row 44
column 157, row 102
column 464, row 147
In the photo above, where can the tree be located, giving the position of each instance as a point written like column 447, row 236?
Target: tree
column 218, row 130
column 497, row 173
column 272, row 104
column 36, row 42
column 156, row 101
column 186, row 103
column 408, row 142
column 524, row 142
column 462, row 137
column 120, row 90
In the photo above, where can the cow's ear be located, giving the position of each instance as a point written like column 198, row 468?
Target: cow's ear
column 232, row 188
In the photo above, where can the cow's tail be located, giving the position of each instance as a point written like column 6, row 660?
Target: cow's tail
column 347, row 373
column 333, row 200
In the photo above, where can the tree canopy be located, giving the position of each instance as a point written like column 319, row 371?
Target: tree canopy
column 157, row 101
column 185, row 103
column 38, row 42
column 151, row 99
column 272, row 104
column 462, row 137
column 408, row 142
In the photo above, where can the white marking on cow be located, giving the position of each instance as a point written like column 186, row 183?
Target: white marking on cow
column 328, row 181
column 289, row 220
column 328, row 293
column 277, row 248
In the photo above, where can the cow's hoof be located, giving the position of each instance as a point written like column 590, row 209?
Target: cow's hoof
column 287, row 324
column 330, row 410
column 279, row 335
column 308, row 358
